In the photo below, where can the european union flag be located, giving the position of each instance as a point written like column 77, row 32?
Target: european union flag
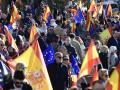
column 4, row 70
column 75, row 67
column 10, row 28
column 49, row 19
column 48, row 55
column 92, row 30
column 79, row 17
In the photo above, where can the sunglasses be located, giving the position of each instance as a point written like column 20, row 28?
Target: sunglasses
column 65, row 59
column 59, row 57
column 18, row 82
column 105, row 75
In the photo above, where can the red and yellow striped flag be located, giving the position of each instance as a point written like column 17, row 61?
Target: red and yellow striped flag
column 33, row 33
column 73, row 28
column 92, row 6
column 88, row 21
column 79, row 4
column 91, row 59
column 46, row 13
column 100, row 10
column 10, row 39
column 73, row 11
column 95, row 13
column 114, row 81
column 106, row 34
column 109, row 10
column 14, row 15
column 36, row 72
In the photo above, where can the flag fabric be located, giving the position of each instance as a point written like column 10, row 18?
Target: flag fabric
column 79, row 17
column 33, row 33
column 94, row 74
column 110, row 29
column 73, row 27
column 92, row 30
column 4, row 70
column 14, row 15
column 91, row 59
column 105, row 35
column 95, row 12
column 79, row 4
column 10, row 28
column 48, row 55
column 73, row 11
column 10, row 39
column 36, row 72
column 75, row 67
column 12, row 65
column 114, row 81
column 92, row 6
column 49, row 19
column 100, row 10
column 109, row 10
column 88, row 21
column 47, row 13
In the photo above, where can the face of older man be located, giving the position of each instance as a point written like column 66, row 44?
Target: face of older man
column 59, row 57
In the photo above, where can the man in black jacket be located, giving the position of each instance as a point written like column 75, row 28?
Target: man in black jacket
column 58, row 73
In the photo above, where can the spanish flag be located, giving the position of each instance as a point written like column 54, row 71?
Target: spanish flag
column 95, row 13
column 14, row 15
column 36, row 72
column 47, row 12
column 109, row 10
column 88, row 21
column 79, row 4
column 100, row 10
column 73, row 11
column 33, row 33
column 10, row 39
column 90, row 61
column 94, row 74
column 73, row 28
column 92, row 6
column 106, row 34
column 114, row 81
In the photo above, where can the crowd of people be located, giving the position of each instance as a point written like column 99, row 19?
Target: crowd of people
column 69, row 46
